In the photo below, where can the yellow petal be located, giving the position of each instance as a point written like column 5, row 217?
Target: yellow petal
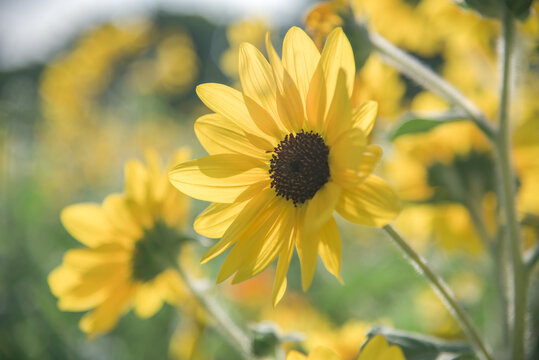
column 218, row 135
column 240, row 223
column 320, row 207
column 269, row 245
column 214, row 221
column 218, row 178
column 339, row 116
column 229, row 103
column 87, row 223
column 374, row 349
column 378, row 349
column 251, row 239
column 262, row 118
column 91, row 287
column 147, row 299
column 345, row 157
column 337, row 55
column 330, row 248
column 256, row 78
column 276, row 64
column 279, row 286
column 307, row 247
column 295, row 355
column 289, row 103
column 322, row 353
column 105, row 254
column 316, row 100
column 364, row 116
column 372, row 203
column 61, row 279
column 136, row 181
column 120, row 216
column 105, row 317
column 369, row 159
column 300, row 57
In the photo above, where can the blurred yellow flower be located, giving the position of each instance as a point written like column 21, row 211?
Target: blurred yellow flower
column 438, row 172
column 174, row 69
column 252, row 31
column 323, row 18
column 376, row 348
column 130, row 241
column 284, row 154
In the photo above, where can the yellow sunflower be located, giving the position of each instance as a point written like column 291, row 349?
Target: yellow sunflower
column 284, row 154
column 376, row 349
column 130, row 241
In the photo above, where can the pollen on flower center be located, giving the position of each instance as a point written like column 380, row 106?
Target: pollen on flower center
column 299, row 166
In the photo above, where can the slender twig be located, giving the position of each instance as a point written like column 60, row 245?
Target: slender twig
column 507, row 196
column 444, row 293
column 427, row 78
column 224, row 324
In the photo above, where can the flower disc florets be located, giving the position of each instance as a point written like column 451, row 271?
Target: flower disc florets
column 299, row 166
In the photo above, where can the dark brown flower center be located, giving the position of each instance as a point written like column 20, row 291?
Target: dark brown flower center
column 299, row 166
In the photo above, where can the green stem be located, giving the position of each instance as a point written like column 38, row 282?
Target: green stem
column 427, row 78
column 443, row 292
column 507, row 196
column 230, row 331
column 495, row 246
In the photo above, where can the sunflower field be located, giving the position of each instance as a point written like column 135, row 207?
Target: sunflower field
column 338, row 180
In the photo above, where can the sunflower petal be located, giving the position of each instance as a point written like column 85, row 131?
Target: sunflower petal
column 372, row 203
column 214, row 221
column 229, row 102
column 307, row 247
column 320, row 207
column 262, row 118
column 316, row 100
column 369, row 159
column 330, row 248
column 321, row 353
column 218, row 178
column 250, row 211
column 279, row 286
column 256, row 78
column 338, row 119
column 269, row 246
column 106, row 315
column 147, row 299
column 218, row 135
column 252, row 237
column 337, row 56
column 300, row 58
column 136, row 181
column 364, row 116
column 121, row 218
column 87, row 223
column 345, row 157
column 290, row 105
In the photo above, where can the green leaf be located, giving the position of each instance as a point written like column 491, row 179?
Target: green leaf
column 422, row 347
column 412, row 123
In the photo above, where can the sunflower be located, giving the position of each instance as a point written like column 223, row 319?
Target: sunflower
column 284, row 154
column 130, row 241
column 376, row 348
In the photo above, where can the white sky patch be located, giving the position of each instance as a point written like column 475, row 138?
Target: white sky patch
column 32, row 30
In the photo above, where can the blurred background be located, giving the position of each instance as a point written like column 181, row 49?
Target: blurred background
column 86, row 85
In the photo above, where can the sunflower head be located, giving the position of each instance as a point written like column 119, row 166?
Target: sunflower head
column 131, row 242
column 285, row 153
